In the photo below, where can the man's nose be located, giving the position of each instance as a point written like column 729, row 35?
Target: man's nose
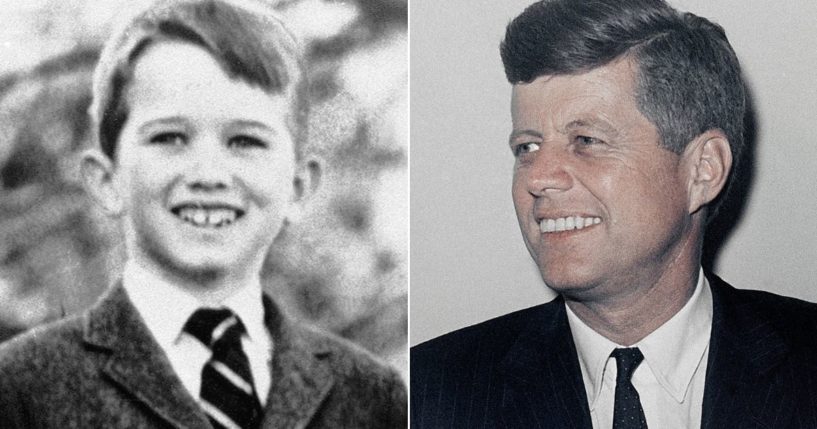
column 550, row 171
column 209, row 168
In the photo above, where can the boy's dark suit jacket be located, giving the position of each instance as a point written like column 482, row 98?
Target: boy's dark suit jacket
column 105, row 370
column 522, row 371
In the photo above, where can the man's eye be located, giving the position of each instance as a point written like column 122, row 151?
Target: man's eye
column 246, row 142
column 171, row 138
column 524, row 148
column 588, row 141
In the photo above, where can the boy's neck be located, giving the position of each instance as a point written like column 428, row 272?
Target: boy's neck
column 207, row 288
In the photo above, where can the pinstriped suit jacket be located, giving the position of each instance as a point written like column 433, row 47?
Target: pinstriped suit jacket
column 521, row 370
column 105, row 370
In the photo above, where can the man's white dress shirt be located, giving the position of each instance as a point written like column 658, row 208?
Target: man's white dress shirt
column 670, row 381
column 165, row 308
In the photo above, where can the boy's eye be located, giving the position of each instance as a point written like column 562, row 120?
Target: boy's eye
column 524, row 148
column 246, row 142
column 170, row 138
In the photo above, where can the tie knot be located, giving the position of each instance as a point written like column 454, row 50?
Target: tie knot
column 211, row 326
column 627, row 361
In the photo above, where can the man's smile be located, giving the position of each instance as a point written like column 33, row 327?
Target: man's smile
column 567, row 223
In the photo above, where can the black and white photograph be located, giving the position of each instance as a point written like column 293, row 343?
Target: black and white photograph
column 204, row 213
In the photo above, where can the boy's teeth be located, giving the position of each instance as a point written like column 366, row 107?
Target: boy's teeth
column 199, row 217
column 218, row 217
column 214, row 217
column 207, row 217
column 567, row 223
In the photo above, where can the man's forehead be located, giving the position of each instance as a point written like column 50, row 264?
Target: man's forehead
column 601, row 101
column 603, row 86
column 622, row 71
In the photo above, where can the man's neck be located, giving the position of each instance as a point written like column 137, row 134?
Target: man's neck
column 629, row 306
column 648, row 304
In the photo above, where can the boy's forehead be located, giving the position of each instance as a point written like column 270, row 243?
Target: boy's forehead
column 180, row 79
column 182, row 63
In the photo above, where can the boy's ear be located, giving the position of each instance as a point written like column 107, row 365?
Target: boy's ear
column 307, row 179
column 97, row 177
column 305, row 184
column 708, row 159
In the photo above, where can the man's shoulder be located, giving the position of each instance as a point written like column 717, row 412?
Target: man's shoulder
column 770, row 303
column 495, row 335
column 775, row 303
column 459, row 376
column 793, row 318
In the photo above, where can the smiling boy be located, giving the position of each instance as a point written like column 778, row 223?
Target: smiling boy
column 200, row 114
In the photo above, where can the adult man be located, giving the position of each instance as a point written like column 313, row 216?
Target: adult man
column 627, row 120
column 200, row 112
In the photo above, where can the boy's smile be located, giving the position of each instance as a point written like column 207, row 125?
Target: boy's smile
column 207, row 216
column 205, row 171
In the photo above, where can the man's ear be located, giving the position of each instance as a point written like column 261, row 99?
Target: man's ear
column 97, row 172
column 708, row 160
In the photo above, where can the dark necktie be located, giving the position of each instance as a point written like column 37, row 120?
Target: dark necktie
column 227, row 391
column 627, row 412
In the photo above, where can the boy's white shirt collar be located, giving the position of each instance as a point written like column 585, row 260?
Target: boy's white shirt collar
column 165, row 307
column 673, row 352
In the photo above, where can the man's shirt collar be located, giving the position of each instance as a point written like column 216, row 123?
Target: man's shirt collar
column 673, row 352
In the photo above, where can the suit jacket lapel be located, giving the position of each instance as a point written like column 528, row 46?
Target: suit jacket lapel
column 136, row 362
column 301, row 380
column 544, row 387
column 744, row 352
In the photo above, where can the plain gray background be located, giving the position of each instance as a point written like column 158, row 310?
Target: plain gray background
column 468, row 262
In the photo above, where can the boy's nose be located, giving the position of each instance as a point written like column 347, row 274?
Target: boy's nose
column 209, row 169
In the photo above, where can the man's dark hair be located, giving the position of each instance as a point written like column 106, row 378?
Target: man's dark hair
column 688, row 77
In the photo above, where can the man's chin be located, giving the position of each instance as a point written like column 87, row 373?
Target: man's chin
column 569, row 285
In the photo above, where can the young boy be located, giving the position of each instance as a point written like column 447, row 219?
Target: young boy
column 200, row 113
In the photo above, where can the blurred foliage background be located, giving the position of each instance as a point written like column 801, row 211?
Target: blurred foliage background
column 342, row 266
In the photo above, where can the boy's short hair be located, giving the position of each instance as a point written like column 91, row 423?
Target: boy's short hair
column 246, row 38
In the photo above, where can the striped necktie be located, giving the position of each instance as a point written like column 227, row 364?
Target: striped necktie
column 227, row 395
column 627, row 411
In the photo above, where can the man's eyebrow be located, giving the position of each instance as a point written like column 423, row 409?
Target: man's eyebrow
column 518, row 133
column 597, row 124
